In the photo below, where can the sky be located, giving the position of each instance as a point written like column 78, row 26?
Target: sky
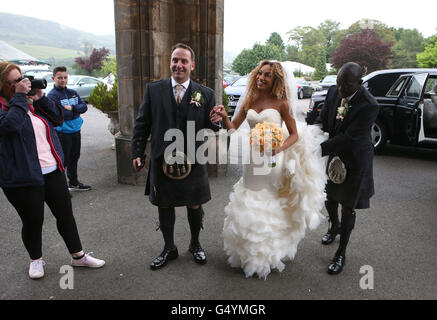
column 246, row 21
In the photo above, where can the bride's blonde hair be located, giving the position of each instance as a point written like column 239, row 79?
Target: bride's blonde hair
column 278, row 89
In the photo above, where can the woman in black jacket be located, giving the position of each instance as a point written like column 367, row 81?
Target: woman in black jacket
column 31, row 170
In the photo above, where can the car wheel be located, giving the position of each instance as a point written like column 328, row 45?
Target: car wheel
column 300, row 94
column 379, row 136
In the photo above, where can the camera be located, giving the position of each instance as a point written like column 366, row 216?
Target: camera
column 35, row 84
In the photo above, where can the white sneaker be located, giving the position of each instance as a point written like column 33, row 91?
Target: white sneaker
column 36, row 269
column 88, row 261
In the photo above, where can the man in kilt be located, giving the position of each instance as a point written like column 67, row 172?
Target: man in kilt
column 175, row 103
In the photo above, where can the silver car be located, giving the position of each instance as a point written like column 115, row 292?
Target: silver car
column 83, row 85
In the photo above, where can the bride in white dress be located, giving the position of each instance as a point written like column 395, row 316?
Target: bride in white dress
column 271, row 208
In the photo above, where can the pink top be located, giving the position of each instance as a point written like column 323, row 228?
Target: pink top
column 45, row 155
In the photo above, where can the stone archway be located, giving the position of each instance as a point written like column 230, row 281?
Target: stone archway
column 145, row 31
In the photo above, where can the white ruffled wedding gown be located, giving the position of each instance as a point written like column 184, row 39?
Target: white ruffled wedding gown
column 268, row 213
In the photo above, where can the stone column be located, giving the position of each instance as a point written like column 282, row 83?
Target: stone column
column 145, row 32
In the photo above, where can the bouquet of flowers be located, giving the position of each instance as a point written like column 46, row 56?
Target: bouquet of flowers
column 265, row 138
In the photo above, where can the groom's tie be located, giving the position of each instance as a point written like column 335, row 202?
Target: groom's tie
column 179, row 89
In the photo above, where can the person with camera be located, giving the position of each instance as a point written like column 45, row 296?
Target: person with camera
column 31, row 169
column 69, row 131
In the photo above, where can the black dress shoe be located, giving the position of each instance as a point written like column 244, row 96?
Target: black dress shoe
column 329, row 237
column 337, row 264
column 166, row 255
column 198, row 254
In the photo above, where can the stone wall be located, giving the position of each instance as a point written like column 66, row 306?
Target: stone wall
column 145, row 33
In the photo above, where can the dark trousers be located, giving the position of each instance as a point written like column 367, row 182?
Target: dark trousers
column 347, row 223
column 29, row 203
column 71, row 144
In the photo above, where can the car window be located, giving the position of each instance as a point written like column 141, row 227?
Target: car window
column 397, row 88
column 330, row 79
column 380, row 84
column 431, row 85
column 72, row 80
column 414, row 87
column 89, row 81
column 242, row 82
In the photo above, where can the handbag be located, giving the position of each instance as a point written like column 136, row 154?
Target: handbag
column 337, row 170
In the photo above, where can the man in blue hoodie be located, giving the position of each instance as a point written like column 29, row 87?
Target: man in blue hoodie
column 69, row 132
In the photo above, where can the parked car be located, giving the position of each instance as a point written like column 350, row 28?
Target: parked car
column 230, row 79
column 304, row 88
column 328, row 82
column 408, row 113
column 234, row 92
column 377, row 82
column 83, row 85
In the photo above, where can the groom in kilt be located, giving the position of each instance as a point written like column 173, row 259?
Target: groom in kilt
column 175, row 103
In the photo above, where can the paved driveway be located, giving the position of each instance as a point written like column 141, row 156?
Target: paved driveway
column 397, row 238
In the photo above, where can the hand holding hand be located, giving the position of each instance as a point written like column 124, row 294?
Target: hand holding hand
column 218, row 113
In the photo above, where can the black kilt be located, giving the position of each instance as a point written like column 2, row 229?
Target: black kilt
column 166, row 192
column 355, row 192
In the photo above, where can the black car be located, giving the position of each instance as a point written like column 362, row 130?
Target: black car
column 377, row 82
column 408, row 113
column 304, row 89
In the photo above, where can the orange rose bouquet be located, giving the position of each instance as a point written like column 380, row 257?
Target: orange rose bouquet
column 266, row 137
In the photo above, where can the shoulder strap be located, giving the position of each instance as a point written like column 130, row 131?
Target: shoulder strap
column 3, row 104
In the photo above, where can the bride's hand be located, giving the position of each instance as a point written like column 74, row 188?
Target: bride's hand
column 218, row 113
column 275, row 152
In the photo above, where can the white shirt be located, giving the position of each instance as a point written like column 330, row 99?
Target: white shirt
column 350, row 97
column 185, row 85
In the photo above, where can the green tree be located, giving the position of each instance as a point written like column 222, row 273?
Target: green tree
column 243, row 62
column 321, row 70
column 109, row 66
column 330, row 29
column 292, row 53
column 276, row 40
column 409, row 44
column 383, row 31
column 428, row 58
column 248, row 59
column 309, row 41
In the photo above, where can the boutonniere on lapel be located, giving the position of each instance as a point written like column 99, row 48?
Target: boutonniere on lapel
column 343, row 109
column 197, row 98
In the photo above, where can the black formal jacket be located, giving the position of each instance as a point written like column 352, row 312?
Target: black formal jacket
column 159, row 113
column 350, row 139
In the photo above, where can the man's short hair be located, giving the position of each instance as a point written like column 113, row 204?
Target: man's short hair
column 59, row 69
column 186, row 47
